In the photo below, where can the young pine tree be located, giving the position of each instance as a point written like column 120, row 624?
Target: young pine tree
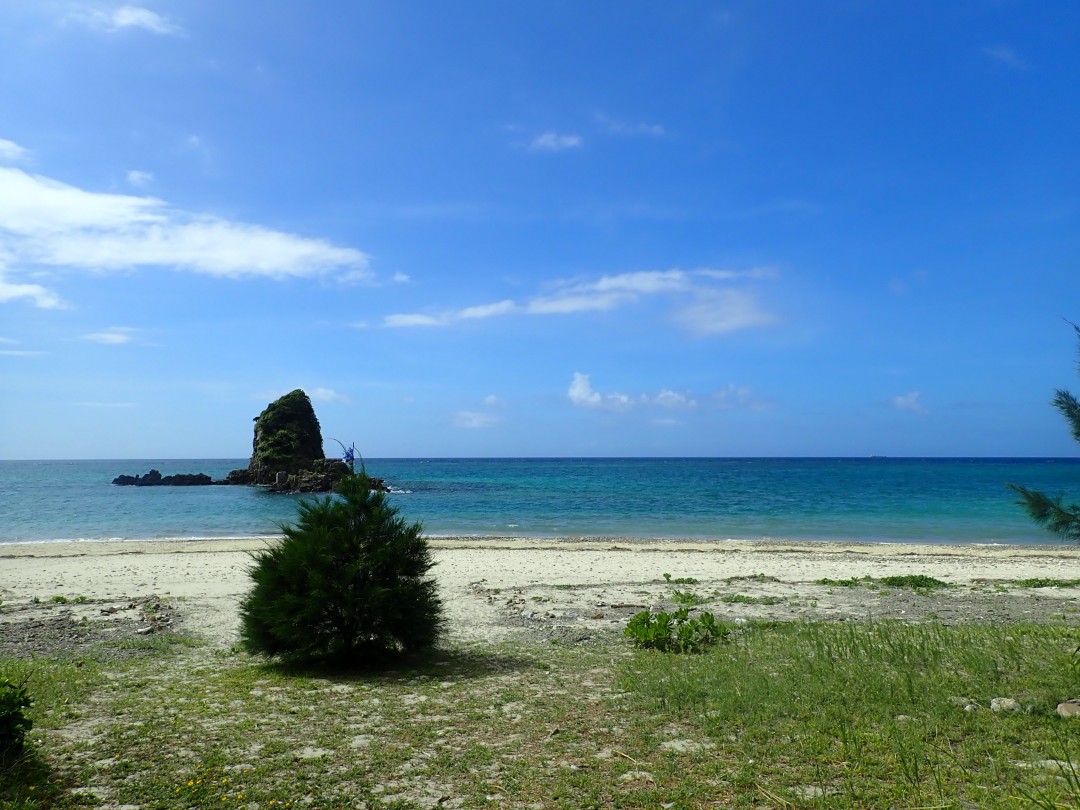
column 1059, row 518
column 348, row 583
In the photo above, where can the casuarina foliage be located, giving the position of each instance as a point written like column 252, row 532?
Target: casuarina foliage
column 1051, row 511
column 347, row 584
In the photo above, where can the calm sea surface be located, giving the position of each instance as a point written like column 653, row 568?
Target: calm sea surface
column 875, row 499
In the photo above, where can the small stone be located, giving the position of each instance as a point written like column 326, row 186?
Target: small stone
column 1001, row 704
column 1069, row 708
column 684, row 746
column 636, row 776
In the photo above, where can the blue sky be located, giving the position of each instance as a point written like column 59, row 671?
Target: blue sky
column 539, row 228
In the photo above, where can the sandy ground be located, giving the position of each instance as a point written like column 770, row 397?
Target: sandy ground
column 501, row 588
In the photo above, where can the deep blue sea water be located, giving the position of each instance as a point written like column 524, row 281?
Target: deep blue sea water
column 872, row 499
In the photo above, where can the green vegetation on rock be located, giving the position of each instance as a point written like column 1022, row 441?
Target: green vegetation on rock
column 287, row 436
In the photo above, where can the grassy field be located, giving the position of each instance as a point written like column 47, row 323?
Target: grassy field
column 837, row 715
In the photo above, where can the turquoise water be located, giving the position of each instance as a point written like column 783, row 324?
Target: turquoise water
column 877, row 499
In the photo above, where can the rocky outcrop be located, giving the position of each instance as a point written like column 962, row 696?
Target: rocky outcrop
column 288, row 438
column 286, row 455
column 156, row 479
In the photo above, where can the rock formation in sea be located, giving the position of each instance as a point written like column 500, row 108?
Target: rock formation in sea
column 287, row 451
column 287, row 455
column 156, row 479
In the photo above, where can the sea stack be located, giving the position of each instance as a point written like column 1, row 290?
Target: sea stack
column 287, row 452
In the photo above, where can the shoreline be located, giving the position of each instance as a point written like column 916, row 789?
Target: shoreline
column 180, row 545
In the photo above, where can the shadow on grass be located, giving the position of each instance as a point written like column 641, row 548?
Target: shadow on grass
column 438, row 663
column 26, row 781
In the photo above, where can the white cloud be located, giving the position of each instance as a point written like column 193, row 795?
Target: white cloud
column 113, row 336
column 6, row 341
column 493, row 401
column 910, row 402
column 712, row 308
column 1004, row 55
column 327, row 395
column 125, row 17
column 44, row 222
column 11, row 152
column 608, row 292
column 139, row 179
column 718, row 312
column 405, row 320
column 400, row 278
column 554, row 142
column 738, row 396
column 472, row 420
column 487, row 310
column 632, row 130
column 672, row 399
column 42, row 298
column 582, row 394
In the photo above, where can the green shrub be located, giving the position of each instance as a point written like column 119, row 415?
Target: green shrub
column 914, row 581
column 348, row 584
column 687, row 598
column 675, row 632
column 14, row 724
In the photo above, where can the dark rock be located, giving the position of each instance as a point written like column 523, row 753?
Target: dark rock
column 288, row 439
column 156, row 479
column 287, row 455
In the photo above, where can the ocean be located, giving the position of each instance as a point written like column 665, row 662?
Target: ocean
column 941, row 501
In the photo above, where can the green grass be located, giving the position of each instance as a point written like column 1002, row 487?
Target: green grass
column 679, row 580
column 1043, row 582
column 852, row 582
column 868, row 713
column 916, row 581
column 739, row 598
column 687, row 598
column 860, row 714
column 919, row 582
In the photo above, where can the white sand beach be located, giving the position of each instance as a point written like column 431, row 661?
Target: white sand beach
column 496, row 588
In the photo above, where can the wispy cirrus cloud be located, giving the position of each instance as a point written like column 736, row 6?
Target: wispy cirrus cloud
column 555, row 142
column 704, row 301
column 10, row 352
column 910, row 402
column 638, row 129
column 475, row 420
column 140, row 179
column 123, row 18
column 37, row 294
column 1005, row 55
column 11, row 152
column 323, row 394
column 46, row 224
column 113, row 336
